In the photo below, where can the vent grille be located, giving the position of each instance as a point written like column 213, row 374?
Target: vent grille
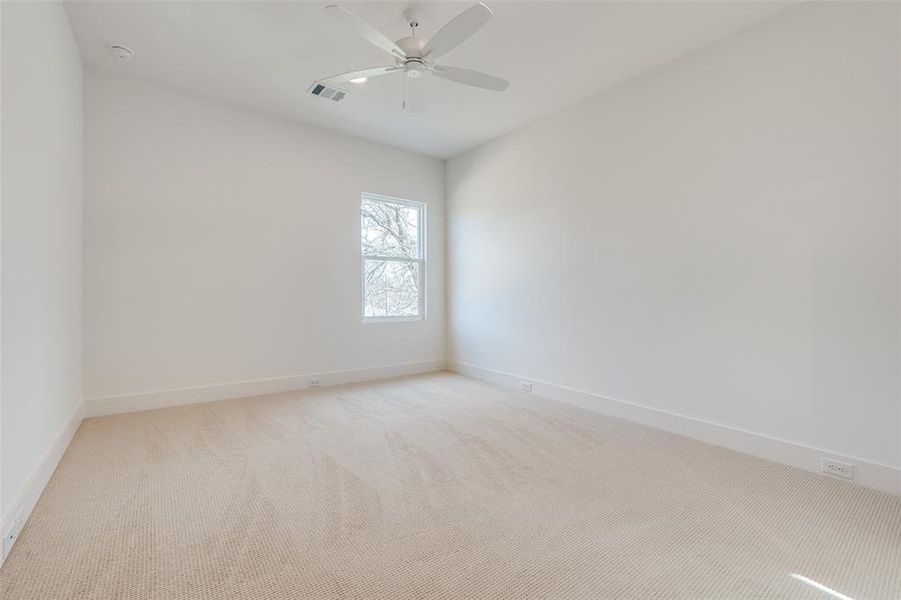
column 324, row 91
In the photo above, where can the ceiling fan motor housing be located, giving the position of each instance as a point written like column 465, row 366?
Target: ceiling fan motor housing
column 414, row 65
column 411, row 46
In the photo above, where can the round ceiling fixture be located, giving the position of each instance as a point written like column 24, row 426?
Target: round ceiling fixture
column 121, row 52
column 414, row 68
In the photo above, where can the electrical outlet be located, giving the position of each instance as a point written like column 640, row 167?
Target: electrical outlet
column 314, row 382
column 526, row 386
column 837, row 468
column 9, row 538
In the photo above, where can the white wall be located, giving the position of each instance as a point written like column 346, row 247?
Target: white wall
column 222, row 246
column 718, row 238
column 41, row 247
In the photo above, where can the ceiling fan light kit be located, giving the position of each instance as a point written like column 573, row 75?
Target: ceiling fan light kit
column 415, row 57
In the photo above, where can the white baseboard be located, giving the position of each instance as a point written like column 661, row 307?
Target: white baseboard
column 110, row 405
column 873, row 475
column 12, row 522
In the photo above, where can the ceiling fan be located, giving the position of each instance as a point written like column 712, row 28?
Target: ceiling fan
column 414, row 56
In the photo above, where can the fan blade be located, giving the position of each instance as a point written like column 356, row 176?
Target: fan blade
column 413, row 98
column 457, row 30
column 373, row 72
column 470, row 77
column 364, row 30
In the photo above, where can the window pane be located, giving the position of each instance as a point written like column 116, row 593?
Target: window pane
column 391, row 288
column 390, row 229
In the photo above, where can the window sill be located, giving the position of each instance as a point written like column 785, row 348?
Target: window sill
column 369, row 320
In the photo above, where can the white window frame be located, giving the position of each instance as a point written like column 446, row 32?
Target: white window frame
column 421, row 206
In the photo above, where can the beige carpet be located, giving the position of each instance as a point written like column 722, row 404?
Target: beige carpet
column 436, row 487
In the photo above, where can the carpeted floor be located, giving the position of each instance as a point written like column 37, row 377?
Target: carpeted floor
column 436, row 487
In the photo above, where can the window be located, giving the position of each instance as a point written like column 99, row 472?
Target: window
column 392, row 236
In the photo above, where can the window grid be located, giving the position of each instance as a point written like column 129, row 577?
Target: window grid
column 418, row 258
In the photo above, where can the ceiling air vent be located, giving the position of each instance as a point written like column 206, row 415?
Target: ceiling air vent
column 329, row 93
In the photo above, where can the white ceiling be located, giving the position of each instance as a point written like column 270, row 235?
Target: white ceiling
column 265, row 55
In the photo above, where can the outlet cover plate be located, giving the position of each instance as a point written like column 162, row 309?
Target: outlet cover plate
column 837, row 468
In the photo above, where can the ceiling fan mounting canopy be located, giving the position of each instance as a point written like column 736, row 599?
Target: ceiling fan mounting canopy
column 412, row 17
column 416, row 57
